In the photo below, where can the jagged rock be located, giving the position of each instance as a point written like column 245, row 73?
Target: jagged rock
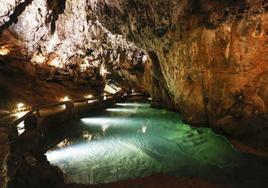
column 32, row 174
column 210, row 56
column 55, row 36
column 207, row 60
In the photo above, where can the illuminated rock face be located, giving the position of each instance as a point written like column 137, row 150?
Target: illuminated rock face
column 68, row 46
column 7, row 8
column 211, row 55
column 208, row 57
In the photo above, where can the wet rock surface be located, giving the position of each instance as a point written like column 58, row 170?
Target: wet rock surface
column 212, row 56
column 60, row 46
column 208, row 58
column 30, row 173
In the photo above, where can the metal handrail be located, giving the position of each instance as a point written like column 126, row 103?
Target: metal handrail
column 41, row 107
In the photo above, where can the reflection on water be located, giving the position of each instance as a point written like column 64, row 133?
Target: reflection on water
column 64, row 143
column 87, row 135
column 143, row 129
column 134, row 140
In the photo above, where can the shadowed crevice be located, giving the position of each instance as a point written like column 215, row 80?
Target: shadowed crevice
column 57, row 7
column 162, row 96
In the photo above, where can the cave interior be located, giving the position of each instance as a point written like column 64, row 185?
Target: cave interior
column 133, row 93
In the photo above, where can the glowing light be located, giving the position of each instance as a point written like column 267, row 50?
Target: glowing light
column 56, row 63
column 150, row 99
column 105, row 120
column 121, row 110
column 103, row 71
column 21, row 108
column 88, row 96
column 132, row 104
column 112, row 89
column 105, row 98
column 38, row 58
column 133, row 91
column 105, row 127
column 91, row 101
column 65, row 99
column 125, row 149
column 4, row 50
column 143, row 129
column 81, row 150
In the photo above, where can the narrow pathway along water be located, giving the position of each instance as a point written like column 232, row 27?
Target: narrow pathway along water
column 133, row 140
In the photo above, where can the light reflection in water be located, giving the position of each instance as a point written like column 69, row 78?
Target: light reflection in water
column 105, row 127
column 143, row 129
column 116, row 146
column 64, row 143
column 132, row 105
column 121, row 110
column 87, row 135
column 115, row 121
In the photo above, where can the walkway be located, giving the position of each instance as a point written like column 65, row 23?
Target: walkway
column 62, row 111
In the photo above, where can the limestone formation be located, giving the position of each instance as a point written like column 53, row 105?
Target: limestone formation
column 208, row 58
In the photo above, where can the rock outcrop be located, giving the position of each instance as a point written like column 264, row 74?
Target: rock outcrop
column 211, row 54
column 61, row 49
column 207, row 57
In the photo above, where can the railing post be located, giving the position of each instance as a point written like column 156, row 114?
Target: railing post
column 38, row 113
column 70, row 107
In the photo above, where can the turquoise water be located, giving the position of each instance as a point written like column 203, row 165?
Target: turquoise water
column 133, row 140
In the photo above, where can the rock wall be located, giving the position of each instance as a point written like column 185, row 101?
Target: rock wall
column 60, row 48
column 212, row 55
column 208, row 57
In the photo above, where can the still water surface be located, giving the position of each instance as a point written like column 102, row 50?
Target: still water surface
column 133, row 140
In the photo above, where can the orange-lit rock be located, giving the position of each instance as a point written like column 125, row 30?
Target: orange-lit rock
column 212, row 58
column 48, row 44
column 208, row 57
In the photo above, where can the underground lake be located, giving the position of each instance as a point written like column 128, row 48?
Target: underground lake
column 132, row 140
